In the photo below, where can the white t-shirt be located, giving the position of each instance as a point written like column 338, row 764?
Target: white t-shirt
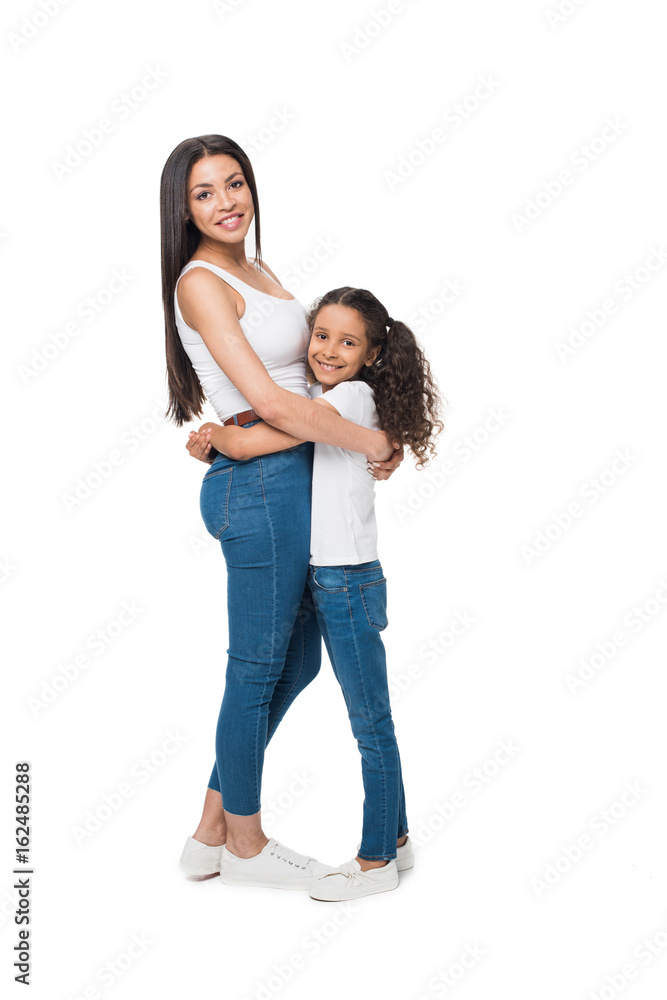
column 343, row 529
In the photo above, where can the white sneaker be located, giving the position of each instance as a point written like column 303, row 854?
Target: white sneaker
column 275, row 867
column 350, row 882
column 405, row 856
column 200, row 859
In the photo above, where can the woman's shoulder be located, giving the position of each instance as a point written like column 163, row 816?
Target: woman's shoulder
column 200, row 274
column 200, row 289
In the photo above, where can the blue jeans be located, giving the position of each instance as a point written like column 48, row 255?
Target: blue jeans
column 259, row 510
column 351, row 605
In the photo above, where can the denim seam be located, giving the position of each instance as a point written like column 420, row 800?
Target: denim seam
column 299, row 618
column 273, row 639
column 377, row 745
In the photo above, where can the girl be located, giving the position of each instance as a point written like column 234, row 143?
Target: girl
column 369, row 369
column 234, row 335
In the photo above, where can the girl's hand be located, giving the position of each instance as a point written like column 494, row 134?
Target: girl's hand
column 383, row 470
column 199, row 445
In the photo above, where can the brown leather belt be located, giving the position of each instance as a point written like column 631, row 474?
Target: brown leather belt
column 242, row 418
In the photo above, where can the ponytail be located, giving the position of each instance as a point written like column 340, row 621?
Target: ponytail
column 406, row 395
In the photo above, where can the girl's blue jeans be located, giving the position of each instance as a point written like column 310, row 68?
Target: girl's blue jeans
column 260, row 511
column 351, row 604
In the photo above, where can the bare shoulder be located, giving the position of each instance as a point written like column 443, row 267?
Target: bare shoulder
column 200, row 291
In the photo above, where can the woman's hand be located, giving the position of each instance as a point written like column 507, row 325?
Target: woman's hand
column 199, row 444
column 385, row 448
column 383, row 470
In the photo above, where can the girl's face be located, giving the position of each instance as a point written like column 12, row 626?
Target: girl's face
column 219, row 200
column 338, row 347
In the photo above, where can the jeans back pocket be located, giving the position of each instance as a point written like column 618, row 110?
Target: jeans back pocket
column 214, row 500
column 374, row 598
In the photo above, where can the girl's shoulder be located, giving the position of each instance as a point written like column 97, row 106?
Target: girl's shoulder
column 354, row 401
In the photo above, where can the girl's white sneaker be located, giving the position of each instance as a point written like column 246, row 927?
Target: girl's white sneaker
column 405, row 856
column 275, row 867
column 350, row 882
column 200, row 859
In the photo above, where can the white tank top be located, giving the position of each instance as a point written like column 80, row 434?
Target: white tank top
column 276, row 329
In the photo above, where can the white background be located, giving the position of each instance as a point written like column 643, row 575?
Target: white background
column 483, row 541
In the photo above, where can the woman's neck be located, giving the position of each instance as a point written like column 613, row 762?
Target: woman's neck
column 228, row 257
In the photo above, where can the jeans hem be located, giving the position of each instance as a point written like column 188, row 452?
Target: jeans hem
column 378, row 857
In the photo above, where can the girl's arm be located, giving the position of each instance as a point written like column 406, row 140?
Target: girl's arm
column 207, row 305
column 247, row 442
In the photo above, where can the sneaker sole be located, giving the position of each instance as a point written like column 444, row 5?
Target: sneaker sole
column 230, row 878
column 405, row 867
column 356, row 895
column 190, row 869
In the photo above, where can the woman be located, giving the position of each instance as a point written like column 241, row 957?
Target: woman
column 234, row 335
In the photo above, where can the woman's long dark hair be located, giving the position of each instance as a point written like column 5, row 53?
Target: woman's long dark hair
column 180, row 238
column 406, row 395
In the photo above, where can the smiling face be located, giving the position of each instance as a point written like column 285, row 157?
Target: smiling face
column 219, row 200
column 338, row 347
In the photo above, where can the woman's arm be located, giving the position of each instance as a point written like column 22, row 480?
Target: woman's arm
column 207, row 305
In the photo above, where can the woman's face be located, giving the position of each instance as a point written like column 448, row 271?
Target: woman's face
column 219, row 199
column 338, row 347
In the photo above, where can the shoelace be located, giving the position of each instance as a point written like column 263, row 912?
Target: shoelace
column 288, row 855
column 358, row 877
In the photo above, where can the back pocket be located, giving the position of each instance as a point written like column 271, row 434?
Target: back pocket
column 214, row 500
column 374, row 597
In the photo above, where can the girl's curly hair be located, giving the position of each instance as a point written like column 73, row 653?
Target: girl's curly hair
column 406, row 395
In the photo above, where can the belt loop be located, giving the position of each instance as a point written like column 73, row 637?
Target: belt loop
column 236, row 419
